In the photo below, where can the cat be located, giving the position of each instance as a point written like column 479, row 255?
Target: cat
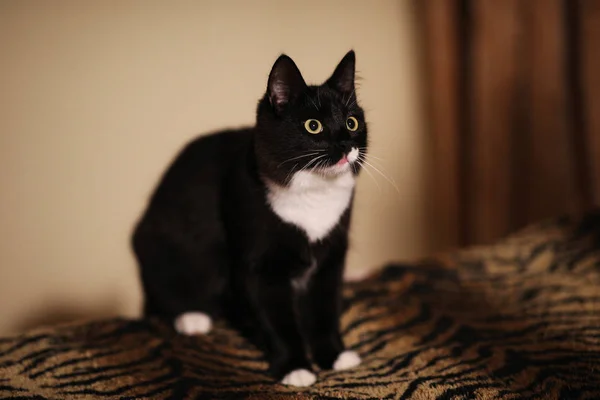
column 252, row 225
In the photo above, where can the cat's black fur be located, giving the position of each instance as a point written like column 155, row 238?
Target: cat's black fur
column 209, row 241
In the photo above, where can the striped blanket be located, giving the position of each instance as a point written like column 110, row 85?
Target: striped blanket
column 516, row 320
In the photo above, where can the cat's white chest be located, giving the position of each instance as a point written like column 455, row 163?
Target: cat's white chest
column 312, row 202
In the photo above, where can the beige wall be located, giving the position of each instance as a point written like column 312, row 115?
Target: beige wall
column 97, row 96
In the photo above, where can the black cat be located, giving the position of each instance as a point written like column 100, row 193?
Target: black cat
column 252, row 225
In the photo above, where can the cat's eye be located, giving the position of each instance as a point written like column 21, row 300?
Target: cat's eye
column 352, row 124
column 313, row 126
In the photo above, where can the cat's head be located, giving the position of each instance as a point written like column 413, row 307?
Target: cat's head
column 300, row 127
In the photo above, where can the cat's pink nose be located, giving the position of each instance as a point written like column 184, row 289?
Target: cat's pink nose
column 343, row 160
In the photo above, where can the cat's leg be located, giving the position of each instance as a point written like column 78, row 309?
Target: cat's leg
column 272, row 302
column 174, row 302
column 203, row 288
column 321, row 306
column 193, row 323
column 183, row 291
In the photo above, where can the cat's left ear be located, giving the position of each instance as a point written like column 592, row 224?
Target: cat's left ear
column 342, row 79
column 285, row 83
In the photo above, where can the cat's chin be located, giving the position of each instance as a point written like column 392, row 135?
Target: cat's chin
column 335, row 171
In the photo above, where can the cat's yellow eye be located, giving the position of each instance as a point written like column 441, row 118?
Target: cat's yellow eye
column 313, row 126
column 352, row 124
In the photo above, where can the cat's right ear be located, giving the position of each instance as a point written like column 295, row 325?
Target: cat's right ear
column 343, row 77
column 285, row 83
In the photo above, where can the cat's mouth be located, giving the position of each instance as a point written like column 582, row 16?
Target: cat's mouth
column 344, row 164
column 343, row 160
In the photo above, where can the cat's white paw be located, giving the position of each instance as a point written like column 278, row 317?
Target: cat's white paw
column 347, row 359
column 193, row 323
column 299, row 377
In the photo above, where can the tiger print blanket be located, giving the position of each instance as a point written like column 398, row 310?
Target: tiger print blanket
column 516, row 320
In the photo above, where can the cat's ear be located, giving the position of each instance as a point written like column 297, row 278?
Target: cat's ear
column 285, row 82
column 342, row 79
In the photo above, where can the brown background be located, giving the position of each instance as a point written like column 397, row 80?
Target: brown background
column 97, row 96
column 485, row 114
column 514, row 96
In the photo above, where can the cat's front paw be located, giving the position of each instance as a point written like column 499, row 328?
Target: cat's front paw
column 347, row 359
column 193, row 323
column 299, row 377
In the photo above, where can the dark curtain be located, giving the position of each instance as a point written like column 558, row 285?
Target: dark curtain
column 514, row 112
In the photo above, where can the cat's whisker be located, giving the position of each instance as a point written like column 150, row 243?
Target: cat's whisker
column 390, row 180
column 370, row 156
column 313, row 161
column 289, row 175
column 315, row 104
column 317, row 165
column 321, row 165
column 375, row 167
column 349, row 97
column 295, row 158
column 380, row 165
column 292, row 151
column 318, row 97
column 363, row 166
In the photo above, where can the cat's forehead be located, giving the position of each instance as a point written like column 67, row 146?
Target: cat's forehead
column 324, row 100
column 324, row 92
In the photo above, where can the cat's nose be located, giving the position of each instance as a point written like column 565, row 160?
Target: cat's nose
column 345, row 146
